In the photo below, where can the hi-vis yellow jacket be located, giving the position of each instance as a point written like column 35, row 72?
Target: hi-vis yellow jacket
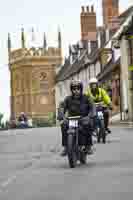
column 101, row 97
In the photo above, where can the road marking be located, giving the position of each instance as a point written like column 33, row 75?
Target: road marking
column 8, row 181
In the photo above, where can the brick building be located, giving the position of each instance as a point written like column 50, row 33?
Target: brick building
column 101, row 60
column 110, row 11
column 88, row 23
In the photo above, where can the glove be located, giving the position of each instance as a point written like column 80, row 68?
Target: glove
column 85, row 120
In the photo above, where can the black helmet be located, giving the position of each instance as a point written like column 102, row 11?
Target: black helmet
column 76, row 83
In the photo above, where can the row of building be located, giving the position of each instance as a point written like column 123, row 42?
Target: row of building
column 104, row 52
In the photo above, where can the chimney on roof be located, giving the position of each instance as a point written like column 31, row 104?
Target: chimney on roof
column 88, row 24
column 110, row 10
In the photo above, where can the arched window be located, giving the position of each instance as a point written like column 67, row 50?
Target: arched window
column 44, row 84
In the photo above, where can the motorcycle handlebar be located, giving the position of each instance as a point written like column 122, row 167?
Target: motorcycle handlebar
column 74, row 117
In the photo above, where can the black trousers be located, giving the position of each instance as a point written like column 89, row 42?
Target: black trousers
column 85, row 136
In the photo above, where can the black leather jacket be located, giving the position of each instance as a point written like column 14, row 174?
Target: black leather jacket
column 75, row 107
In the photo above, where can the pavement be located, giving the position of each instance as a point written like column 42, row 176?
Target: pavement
column 116, row 121
column 115, row 118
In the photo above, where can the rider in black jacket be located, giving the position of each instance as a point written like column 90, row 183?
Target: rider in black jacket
column 77, row 104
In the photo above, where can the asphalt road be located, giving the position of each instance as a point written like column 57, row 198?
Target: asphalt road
column 31, row 167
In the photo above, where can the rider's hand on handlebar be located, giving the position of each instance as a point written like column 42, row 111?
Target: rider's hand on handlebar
column 99, row 104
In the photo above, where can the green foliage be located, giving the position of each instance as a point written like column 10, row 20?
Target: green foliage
column 2, row 125
column 52, row 118
column 41, row 123
column 49, row 122
column 7, row 124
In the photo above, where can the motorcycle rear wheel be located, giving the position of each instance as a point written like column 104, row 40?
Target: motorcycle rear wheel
column 83, row 157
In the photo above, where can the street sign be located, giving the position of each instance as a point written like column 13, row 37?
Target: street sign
column 106, row 56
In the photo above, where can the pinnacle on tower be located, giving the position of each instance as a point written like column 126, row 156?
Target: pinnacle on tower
column 44, row 42
column 9, row 43
column 22, row 38
column 83, row 9
column 59, row 39
column 70, row 51
column 92, row 9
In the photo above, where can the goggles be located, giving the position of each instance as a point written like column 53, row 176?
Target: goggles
column 76, row 88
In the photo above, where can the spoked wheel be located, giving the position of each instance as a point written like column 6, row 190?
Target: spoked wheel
column 98, row 135
column 103, row 132
column 71, row 151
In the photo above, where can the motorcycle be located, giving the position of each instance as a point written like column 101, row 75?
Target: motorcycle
column 100, row 127
column 75, row 151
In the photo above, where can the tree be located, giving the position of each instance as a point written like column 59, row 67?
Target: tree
column 52, row 118
column 1, row 116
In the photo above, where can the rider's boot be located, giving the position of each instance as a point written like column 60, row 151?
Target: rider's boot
column 89, row 149
column 108, row 130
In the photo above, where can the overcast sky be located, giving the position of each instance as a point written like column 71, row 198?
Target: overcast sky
column 43, row 16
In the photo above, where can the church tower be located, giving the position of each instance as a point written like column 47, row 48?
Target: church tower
column 32, row 75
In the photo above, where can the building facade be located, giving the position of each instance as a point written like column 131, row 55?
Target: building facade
column 32, row 76
column 104, row 62
column 123, row 40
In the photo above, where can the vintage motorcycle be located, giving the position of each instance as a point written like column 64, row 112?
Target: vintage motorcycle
column 100, row 127
column 75, row 151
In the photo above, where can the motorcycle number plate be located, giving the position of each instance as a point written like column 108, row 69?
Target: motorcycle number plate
column 73, row 123
column 22, row 122
column 100, row 114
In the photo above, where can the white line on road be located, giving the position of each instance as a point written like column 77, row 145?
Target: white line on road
column 121, row 127
column 8, row 181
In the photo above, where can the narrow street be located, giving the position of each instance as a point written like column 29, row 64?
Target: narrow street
column 31, row 167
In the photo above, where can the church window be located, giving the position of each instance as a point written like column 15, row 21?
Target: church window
column 43, row 76
column 44, row 84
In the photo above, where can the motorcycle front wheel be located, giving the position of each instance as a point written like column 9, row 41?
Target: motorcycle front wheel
column 71, row 151
column 103, row 132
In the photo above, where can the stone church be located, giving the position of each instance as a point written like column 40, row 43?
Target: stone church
column 32, row 78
